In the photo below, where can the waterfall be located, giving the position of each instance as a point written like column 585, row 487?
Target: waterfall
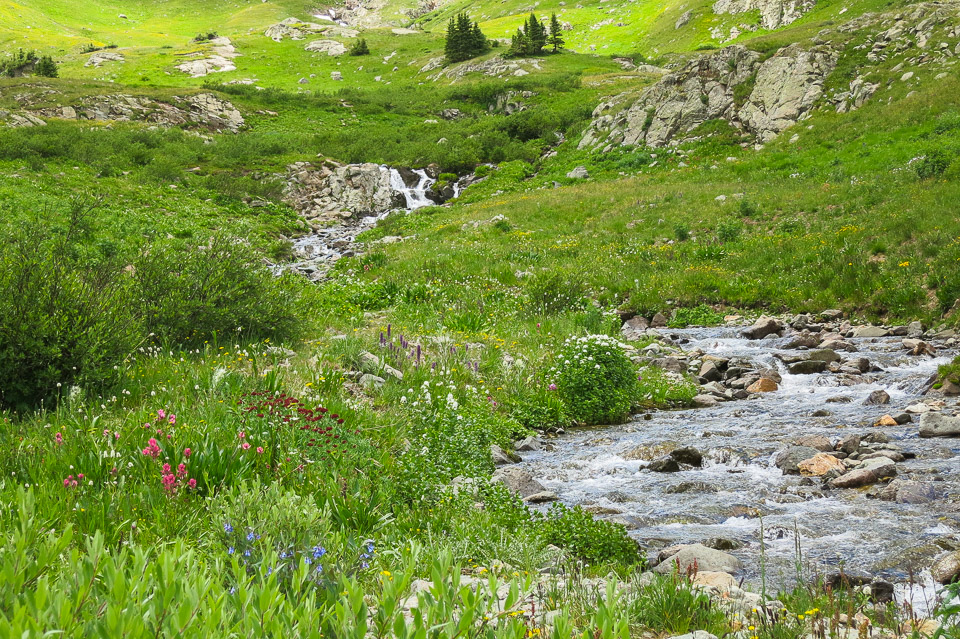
column 415, row 197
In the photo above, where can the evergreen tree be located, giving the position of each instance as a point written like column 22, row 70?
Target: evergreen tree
column 555, row 39
column 465, row 40
column 536, row 36
column 450, row 46
column 46, row 67
column 518, row 45
column 360, row 48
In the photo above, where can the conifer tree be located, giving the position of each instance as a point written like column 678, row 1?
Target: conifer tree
column 465, row 40
column 555, row 39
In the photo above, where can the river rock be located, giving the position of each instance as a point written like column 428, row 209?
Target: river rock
column 949, row 388
column 870, row 472
column 939, row 425
column 919, row 347
column 687, row 455
column 704, row 401
column 700, row 556
column 541, row 497
column 502, row 457
column 886, row 420
column 579, row 173
column 849, row 444
column 659, row 320
column 869, row 331
column 818, row 442
column 787, row 460
column 946, row 568
column 807, row 367
column 906, row 491
column 527, row 444
column 369, row 381
column 710, row 372
column 518, row 481
column 721, row 581
column 819, row 465
column 634, row 329
column 664, row 465
column 827, row 355
column 763, row 327
column 763, row 385
column 805, row 340
column 691, row 487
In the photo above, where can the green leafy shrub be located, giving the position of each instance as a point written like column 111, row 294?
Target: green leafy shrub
column 729, row 231
column 595, row 379
column 594, row 540
column 681, row 231
column 360, row 48
column 931, row 165
column 555, row 292
column 702, row 315
column 65, row 318
column 186, row 295
column 672, row 604
column 538, row 409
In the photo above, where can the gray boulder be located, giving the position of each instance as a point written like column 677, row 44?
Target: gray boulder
column 807, row 367
column 763, row 327
column 939, row 425
column 787, row 459
column 579, row 173
column 773, row 13
column 518, row 481
column 705, row 559
column 905, row 491
column 877, row 398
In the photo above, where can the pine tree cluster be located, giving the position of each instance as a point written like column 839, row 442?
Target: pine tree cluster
column 465, row 40
column 533, row 36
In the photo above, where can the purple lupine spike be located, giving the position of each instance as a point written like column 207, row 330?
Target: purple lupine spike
column 389, row 328
column 383, row 340
column 433, row 366
column 418, row 354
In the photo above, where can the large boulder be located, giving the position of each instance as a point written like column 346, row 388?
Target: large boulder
column 333, row 191
column 330, row 47
column 807, row 367
column 763, row 327
column 787, row 87
column 699, row 556
column 518, row 481
column 946, row 568
column 939, row 425
column 906, row 491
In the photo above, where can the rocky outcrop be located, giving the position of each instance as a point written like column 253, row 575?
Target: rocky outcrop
column 330, row 47
column 293, row 29
column 784, row 89
column 773, row 13
column 331, row 191
column 218, row 59
column 495, row 67
column 99, row 57
column 204, row 110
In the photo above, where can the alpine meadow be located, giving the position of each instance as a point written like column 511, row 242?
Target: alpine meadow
column 450, row 319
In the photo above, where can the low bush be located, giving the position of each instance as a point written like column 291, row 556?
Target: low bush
column 702, row 315
column 593, row 540
column 186, row 295
column 64, row 319
column 595, row 379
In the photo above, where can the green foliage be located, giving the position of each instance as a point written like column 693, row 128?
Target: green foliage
column 65, row 318
column 681, row 231
column 595, row 379
column 949, row 371
column 538, row 408
column 204, row 37
column 931, row 165
column 729, row 231
column 360, row 48
column 593, row 540
column 555, row 292
column 702, row 315
column 191, row 294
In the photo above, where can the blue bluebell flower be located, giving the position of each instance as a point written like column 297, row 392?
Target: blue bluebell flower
column 227, row 528
column 319, row 551
column 246, row 553
column 250, row 536
column 230, row 550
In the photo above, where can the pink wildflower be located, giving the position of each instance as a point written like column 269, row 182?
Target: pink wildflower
column 242, row 434
column 186, row 453
column 172, row 420
column 161, row 414
column 192, row 484
column 260, row 450
column 182, row 470
column 552, row 387
column 58, row 438
column 245, row 445
column 166, row 469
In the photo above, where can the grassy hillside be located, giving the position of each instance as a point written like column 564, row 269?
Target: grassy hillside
column 336, row 437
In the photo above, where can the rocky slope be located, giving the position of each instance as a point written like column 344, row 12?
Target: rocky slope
column 763, row 96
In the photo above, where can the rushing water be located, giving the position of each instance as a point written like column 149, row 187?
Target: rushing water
column 416, row 196
column 739, row 439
